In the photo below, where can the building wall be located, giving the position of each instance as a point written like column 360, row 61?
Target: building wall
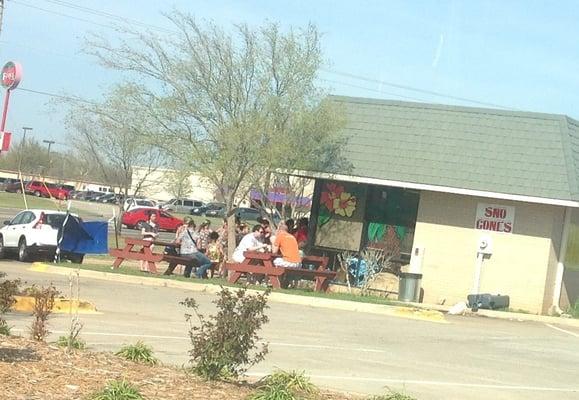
column 155, row 185
column 523, row 263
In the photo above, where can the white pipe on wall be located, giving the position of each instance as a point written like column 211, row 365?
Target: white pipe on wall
column 561, row 263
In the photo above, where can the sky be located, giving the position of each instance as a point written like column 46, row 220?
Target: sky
column 521, row 55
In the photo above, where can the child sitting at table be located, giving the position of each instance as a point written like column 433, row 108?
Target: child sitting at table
column 215, row 251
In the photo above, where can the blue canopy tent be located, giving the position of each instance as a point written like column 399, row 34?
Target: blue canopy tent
column 80, row 237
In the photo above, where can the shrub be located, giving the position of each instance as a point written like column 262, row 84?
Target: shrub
column 138, row 352
column 8, row 289
column 574, row 310
column 43, row 305
column 285, row 386
column 225, row 345
column 117, row 390
column 71, row 342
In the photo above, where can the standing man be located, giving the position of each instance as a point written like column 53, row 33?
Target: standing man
column 287, row 245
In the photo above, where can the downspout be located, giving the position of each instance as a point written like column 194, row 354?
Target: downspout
column 561, row 264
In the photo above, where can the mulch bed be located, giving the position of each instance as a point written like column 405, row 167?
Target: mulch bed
column 37, row 371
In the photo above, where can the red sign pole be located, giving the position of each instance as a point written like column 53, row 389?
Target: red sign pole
column 5, row 109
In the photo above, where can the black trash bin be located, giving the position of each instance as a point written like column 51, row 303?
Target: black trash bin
column 409, row 287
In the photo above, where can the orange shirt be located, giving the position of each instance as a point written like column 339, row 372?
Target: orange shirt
column 288, row 246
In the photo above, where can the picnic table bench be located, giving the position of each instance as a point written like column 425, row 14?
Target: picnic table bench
column 262, row 264
column 143, row 252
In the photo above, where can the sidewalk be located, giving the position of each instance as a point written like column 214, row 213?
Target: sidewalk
column 417, row 311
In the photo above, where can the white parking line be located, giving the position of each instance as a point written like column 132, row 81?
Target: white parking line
column 563, row 330
column 280, row 344
column 432, row 383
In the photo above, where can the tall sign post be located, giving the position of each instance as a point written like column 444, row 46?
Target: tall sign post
column 11, row 75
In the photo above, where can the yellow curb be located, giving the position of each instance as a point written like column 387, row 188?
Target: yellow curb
column 61, row 306
column 38, row 267
column 420, row 314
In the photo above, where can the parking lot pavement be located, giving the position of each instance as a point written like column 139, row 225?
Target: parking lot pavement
column 470, row 358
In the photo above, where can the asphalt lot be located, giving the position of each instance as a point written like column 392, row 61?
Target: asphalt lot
column 469, row 358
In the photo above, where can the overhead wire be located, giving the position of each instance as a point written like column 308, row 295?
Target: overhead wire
column 414, row 89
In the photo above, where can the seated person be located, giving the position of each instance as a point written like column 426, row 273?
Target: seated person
column 287, row 245
column 190, row 254
column 250, row 242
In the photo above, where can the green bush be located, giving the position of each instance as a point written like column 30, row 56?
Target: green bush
column 285, row 386
column 71, row 342
column 574, row 310
column 117, row 390
column 138, row 352
column 8, row 289
column 226, row 344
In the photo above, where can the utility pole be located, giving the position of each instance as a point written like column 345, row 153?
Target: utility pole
column 24, row 130
column 50, row 143
column 1, row 14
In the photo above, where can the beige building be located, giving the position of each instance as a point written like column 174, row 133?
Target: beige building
column 432, row 185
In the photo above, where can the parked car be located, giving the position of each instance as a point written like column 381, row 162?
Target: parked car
column 14, row 187
column 214, row 210
column 253, row 214
column 46, row 189
column 34, row 232
column 135, row 218
column 4, row 182
column 133, row 202
column 111, row 198
column 183, row 206
column 94, row 196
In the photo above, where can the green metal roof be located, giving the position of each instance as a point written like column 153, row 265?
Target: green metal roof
column 510, row 152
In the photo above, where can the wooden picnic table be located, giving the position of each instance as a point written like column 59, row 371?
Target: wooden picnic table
column 262, row 264
column 143, row 252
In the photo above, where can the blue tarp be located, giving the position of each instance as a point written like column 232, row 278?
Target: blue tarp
column 85, row 237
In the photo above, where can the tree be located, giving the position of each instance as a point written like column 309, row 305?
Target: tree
column 177, row 182
column 234, row 106
column 113, row 139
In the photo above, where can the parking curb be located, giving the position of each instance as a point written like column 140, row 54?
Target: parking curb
column 414, row 313
column 61, row 306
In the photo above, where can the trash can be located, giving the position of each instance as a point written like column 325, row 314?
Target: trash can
column 409, row 286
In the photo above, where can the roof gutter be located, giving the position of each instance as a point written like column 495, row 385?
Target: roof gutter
column 433, row 188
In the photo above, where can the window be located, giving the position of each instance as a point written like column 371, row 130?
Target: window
column 17, row 219
column 27, row 218
column 165, row 215
column 188, row 203
column 198, row 204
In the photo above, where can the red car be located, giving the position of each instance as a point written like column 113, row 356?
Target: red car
column 138, row 216
column 46, row 189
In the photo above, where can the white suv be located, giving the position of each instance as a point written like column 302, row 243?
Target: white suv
column 32, row 232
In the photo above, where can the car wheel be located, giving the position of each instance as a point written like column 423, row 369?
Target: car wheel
column 23, row 252
column 37, row 193
column 18, row 191
column 2, row 250
column 140, row 225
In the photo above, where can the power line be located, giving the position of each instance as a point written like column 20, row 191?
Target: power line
column 414, row 89
column 64, row 97
column 63, row 15
column 373, row 90
column 108, row 15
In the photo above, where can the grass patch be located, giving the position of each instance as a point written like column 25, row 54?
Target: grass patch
column 138, row 352
column 283, row 385
column 4, row 328
column 117, row 390
column 223, row 282
column 392, row 396
column 15, row 200
column 75, row 343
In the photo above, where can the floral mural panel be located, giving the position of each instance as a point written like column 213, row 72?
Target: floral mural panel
column 340, row 215
column 340, row 234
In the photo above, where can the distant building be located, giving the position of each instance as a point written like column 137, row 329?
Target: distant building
column 157, row 184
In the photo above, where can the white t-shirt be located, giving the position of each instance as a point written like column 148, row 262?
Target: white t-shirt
column 249, row 241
